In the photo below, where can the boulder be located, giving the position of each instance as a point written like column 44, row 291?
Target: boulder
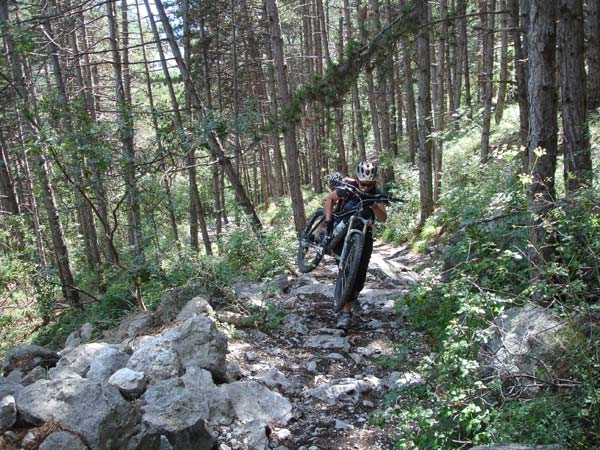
column 8, row 412
column 61, row 440
column 157, row 358
column 95, row 412
column 38, row 373
column 198, row 306
column 175, row 299
column 28, row 357
column 199, row 378
column 81, row 336
column 199, row 344
column 397, row 381
column 133, row 325
column 179, row 414
column 524, row 342
column 251, row 401
column 130, row 383
column 326, row 342
column 294, row 324
column 79, row 359
column 107, row 362
column 347, row 390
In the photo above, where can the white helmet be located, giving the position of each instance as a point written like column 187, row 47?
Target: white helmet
column 366, row 171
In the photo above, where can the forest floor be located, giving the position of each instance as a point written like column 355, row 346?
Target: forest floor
column 335, row 380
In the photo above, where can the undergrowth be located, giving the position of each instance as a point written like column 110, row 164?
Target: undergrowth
column 483, row 272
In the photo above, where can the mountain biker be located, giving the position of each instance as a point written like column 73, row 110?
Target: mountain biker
column 366, row 174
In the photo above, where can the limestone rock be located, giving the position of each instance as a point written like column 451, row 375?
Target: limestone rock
column 198, row 306
column 156, row 358
column 98, row 413
column 178, row 414
column 107, row 362
column 28, row 357
column 8, row 412
column 130, row 383
column 524, row 340
column 79, row 359
column 133, row 325
column 174, row 300
column 253, row 401
column 199, row 344
column 61, row 440
column 343, row 390
column 326, row 342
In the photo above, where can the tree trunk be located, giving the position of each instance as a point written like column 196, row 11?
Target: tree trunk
column 487, row 25
column 9, row 205
column 425, row 126
column 154, row 112
column 342, row 166
column 520, row 75
column 411, row 113
column 576, row 141
column 358, row 118
column 503, row 63
column 291, row 149
column 126, row 134
column 593, row 54
column 30, row 111
column 459, row 57
column 441, row 103
column 542, row 137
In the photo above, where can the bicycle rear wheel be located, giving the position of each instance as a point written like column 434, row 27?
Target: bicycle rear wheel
column 348, row 270
column 310, row 251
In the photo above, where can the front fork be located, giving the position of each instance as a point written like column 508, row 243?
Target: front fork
column 351, row 231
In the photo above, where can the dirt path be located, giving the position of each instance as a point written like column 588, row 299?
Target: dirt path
column 334, row 380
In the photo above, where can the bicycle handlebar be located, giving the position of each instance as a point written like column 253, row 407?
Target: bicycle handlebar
column 366, row 196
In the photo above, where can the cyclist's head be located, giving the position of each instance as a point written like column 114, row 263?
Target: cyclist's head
column 366, row 172
column 334, row 180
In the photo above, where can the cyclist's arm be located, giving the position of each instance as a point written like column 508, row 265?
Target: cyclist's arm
column 379, row 211
column 332, row 197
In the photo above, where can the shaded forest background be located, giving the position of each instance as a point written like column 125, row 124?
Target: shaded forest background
column 149, row 145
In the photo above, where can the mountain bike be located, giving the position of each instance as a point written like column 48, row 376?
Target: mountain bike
column 351, row 226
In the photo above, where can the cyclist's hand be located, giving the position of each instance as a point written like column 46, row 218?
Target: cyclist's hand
column 329, row 227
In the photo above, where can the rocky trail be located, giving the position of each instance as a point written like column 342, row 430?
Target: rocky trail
column 184, row 378
column 333, row 379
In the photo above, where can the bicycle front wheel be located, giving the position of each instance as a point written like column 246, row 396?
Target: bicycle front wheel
column 310, row 251
column 348, row 271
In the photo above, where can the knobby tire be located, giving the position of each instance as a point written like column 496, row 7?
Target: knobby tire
column 344, row 285
column 308, row 255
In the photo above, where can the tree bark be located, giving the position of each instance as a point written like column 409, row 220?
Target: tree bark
column 31, row 114
column 291, row 149
column 425, row 112
column 576, row 141
column 501, row 99
column 358, row 118
column 593, row 54
column 154, row 112
column 542, row 137
column 126, row 134
column 411, row 113
column 487, row 25
column 520, row 74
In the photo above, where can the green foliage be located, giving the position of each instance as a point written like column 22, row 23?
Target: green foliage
column 258, row 257
column 544, row 420
column 482, row 215
column 402, row 217
column 274, row 316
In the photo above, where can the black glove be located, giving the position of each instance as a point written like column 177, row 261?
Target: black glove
column 329, row 227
